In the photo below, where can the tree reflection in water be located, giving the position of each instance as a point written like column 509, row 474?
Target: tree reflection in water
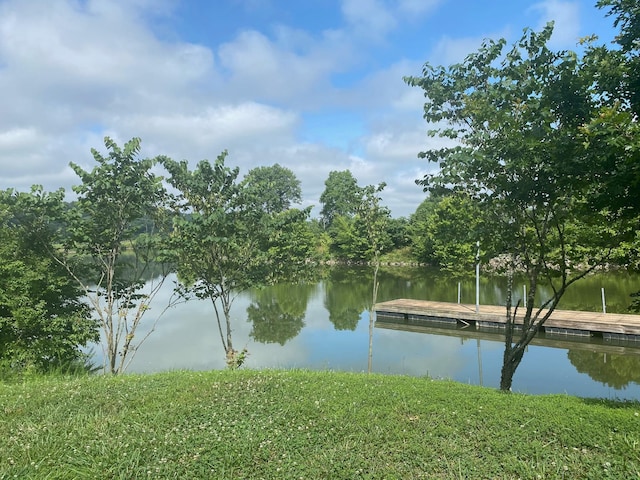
column 347, row 295
column 277, row 313
column 613, row 370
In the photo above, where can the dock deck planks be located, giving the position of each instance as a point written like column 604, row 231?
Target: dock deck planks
column 617, row 323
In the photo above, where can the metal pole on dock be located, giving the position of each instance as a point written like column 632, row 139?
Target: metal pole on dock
column 478, row 277
column 524, row 295
column 458, row 293
column 604, row 303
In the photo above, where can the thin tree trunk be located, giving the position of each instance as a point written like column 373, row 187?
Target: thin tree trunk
column 372, row 313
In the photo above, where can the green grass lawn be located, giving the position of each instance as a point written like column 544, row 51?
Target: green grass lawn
column 300, row 424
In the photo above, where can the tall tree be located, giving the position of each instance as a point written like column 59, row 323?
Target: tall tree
column 340, row 197
column 446, row 230
column 612, row 135
column 374, row 219
column 274, row 187
column 225, row 242
column 112, row 244
column 515, row 115
column 43, row 322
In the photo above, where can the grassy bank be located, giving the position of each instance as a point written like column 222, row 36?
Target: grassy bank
column 299, row 424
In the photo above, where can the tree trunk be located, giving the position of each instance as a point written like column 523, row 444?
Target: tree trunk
column 512, row 358
column 372, row 313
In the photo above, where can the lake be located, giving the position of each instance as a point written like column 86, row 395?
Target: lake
column 325, row 326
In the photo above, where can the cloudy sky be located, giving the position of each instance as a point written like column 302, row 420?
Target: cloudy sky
column 314, row 85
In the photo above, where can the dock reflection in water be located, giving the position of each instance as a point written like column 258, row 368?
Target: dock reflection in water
column 614, row 363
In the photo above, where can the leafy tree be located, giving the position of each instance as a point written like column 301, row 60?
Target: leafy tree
column 374, row 220
column 228, row 243
column 274, row 187
column 421, row 246
column 340, row 197
column 43, row 322
column 516, row 116
column 612, row 137
column 111, row 243
column 398, row 231
column 448, row 232
column 346, row 241
column 364, row 235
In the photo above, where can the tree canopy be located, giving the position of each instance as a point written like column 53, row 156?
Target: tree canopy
column 515, row 116
column 274, row 188
column 225, row 241
column 340, row 197
column 43, row 323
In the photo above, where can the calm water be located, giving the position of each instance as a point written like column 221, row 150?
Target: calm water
column 326, row 326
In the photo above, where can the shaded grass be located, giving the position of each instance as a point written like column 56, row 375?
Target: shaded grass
column 301, row 424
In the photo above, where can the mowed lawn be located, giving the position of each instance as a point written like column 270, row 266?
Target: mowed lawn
column 301, row 424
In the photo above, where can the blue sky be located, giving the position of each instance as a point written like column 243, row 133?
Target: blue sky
column 314, row 85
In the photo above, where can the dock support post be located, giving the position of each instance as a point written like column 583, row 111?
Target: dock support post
column 604, row 303
column 458, row 293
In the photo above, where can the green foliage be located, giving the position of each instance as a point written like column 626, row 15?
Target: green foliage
column 113, row 244
column 43, row 322
column 313, row 425
column 347, row 243
column 516, row 115
column 421, row 246
column 363, row 235
column 273, row 188
column 340, row 197
column 398, row 231
column 228, row 242
column 445, row 231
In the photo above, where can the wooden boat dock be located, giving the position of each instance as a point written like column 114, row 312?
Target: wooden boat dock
column 561, row 322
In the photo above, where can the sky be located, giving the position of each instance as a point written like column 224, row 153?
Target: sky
column 313, row 85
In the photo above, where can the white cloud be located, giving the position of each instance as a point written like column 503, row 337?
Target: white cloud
column 369, row 18
column 415, row 8
column 73, row 71
column 293, row 67
column 450, row 50
column 566, row 16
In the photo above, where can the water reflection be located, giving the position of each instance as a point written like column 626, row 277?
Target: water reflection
column 347, row 295
column 612, row 365
column 614, row 370
column 278, row 313
column 325, row 325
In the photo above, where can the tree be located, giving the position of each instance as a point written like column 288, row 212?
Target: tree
column 99, row 243
column 275, row 187
column 43, row 323
column 421, row 247
column 226, row 243
column 611, row 136
column 398, row 230
column 374, row 219
column 515, row 116
column 447, row 232
column 340, row 197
